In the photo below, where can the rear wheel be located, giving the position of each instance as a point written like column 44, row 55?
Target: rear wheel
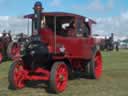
column 95, row 66
column 16, row 76
column 58, row 77
column 1, row 57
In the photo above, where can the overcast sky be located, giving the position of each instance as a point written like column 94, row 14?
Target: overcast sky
column 111, row 15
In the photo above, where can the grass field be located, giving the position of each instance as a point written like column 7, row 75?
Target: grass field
column 114, row 81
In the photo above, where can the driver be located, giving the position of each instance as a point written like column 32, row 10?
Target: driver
column 71, row 29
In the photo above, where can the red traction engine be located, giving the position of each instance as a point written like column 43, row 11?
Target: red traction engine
column 61, row 45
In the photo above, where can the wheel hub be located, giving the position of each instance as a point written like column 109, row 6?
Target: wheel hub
column 61, row 77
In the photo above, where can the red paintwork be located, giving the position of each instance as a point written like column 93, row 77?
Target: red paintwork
column 98, row 66
column 45, row 75
column 75, row 47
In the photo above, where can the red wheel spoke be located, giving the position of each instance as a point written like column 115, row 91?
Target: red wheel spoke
column 58, row 85
column 60, row 69
column 63, row 70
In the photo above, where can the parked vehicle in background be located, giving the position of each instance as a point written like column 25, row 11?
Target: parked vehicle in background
column 5, row 39
column 16, row 46
column 105, row 42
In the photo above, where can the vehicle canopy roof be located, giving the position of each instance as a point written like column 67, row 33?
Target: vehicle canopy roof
column 60, row 14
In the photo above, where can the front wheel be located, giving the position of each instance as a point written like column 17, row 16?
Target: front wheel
column 58, row 77
column 16, row 76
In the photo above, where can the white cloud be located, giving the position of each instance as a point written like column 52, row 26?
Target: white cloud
column 124, row 15
column 110, row 4
column 56, row 3
column 4, row 18
column 15, row 24
column 98, row 6
column 95, row 6
column 117, row 25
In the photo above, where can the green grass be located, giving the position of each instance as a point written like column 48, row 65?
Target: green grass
column 112, row 83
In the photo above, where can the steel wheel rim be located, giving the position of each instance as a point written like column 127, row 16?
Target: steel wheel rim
column 19, row 76
column 98, row 65
column 61, row 77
